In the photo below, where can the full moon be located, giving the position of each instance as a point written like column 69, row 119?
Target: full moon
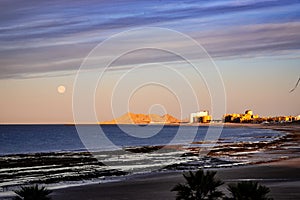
column 61, row 89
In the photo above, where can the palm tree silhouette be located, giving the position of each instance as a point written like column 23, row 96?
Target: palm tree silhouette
column 248, row 190
column 199, row 186
column 32, row 193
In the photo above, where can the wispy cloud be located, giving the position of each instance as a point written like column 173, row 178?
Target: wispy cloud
column 41, row 37
column 253, row 40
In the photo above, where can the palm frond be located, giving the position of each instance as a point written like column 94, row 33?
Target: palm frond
column 249, row 190
column 32, row 193
column 199, row 185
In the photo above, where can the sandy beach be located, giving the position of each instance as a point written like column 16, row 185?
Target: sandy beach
column 282, row 177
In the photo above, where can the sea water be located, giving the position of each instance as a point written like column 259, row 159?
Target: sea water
column 60, row 153
column 22, row 139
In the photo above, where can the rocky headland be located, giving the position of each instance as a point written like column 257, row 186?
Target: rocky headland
column 133, row 118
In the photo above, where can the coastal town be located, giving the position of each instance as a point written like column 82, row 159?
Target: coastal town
column 247, row 117
column 201, row 117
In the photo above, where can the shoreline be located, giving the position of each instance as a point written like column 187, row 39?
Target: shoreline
column 280, row 175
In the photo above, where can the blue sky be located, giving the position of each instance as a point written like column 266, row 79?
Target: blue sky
column 43, row 43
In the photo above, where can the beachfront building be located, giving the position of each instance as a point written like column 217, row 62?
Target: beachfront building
column 240, row 118
column 282, row 119
column 279, row 119
column 200, row 117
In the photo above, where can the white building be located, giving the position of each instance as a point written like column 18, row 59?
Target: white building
column 195, row 116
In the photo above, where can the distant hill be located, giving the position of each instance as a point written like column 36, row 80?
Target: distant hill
column 132, row 118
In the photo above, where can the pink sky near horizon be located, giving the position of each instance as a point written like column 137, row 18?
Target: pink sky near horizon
column 41, row 103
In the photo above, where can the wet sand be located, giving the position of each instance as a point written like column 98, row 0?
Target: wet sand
column 282, row 177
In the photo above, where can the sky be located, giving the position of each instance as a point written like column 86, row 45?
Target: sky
column 253, row 45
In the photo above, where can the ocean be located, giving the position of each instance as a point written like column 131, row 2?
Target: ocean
column 64, row 155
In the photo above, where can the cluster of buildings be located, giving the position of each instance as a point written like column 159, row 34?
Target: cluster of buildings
column 240, row 118
column 247, row 117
